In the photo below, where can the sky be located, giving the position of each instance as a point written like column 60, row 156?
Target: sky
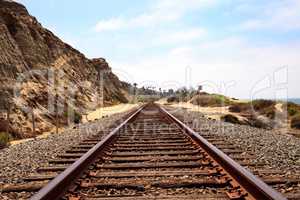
column 241, row 48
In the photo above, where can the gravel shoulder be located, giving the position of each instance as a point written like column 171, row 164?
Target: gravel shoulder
column 20, row 160
column 274, row 148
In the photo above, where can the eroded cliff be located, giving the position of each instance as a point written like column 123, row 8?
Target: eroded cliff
column 39, row 73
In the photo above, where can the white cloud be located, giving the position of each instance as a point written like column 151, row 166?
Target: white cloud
column 218, row 61
column 252, row 24
column 211, row 59
column 144, row 20
column 189, row 34
column 283, row 16
column 174, row 37
column 181, row 51
column 163, row 11
column 110, row 25
column 179, row 6
column 149, row 19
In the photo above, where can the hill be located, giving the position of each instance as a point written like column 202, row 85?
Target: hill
column 38, row 70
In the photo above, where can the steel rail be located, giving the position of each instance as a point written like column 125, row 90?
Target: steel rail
column 252, row 184
column 59, row 185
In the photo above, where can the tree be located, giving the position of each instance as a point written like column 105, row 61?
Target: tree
column 134, row 88
column 200, row 88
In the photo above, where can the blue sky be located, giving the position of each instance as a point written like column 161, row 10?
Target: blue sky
column 241, row 48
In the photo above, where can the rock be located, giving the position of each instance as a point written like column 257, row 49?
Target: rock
column 25, row 45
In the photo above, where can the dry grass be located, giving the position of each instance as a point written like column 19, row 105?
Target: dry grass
column 262, row 107
column 211, row 100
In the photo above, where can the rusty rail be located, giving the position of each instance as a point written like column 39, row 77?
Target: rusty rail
column 56, row 188
column 252, row 184
column 255, row 188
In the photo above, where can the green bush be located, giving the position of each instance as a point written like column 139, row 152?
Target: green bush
column 292, row 109
column 4, row 139
column 295, row 122
column 77, row 117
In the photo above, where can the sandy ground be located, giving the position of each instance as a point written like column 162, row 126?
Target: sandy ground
column 279, row 107
column 209, row 112
column 217, row 112
column 91, row 116
column 107, row 111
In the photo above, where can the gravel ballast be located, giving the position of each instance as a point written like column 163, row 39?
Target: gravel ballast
column 274, row 148
column 21, row 160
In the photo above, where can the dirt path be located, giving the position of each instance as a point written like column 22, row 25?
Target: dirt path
column 92, row 116
column 210, row 112
column 108, row 111
column 279, row 107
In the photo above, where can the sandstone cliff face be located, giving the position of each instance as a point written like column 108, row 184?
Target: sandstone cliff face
column 38, row 70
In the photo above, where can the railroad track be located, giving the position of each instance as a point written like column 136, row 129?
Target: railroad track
column 153, row 155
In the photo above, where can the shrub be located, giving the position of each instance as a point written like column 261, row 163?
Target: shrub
column 295, row 123
column 262, row 104
column 145, row 98
column 172, row 99
column 263, row 107
column 210, row 100
column 77, row 117
column 3, row 125
column 231, row 119
column 270, row 112
column 13, row 132
column 292, row 109
column 4, row 139
column 239, row 107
